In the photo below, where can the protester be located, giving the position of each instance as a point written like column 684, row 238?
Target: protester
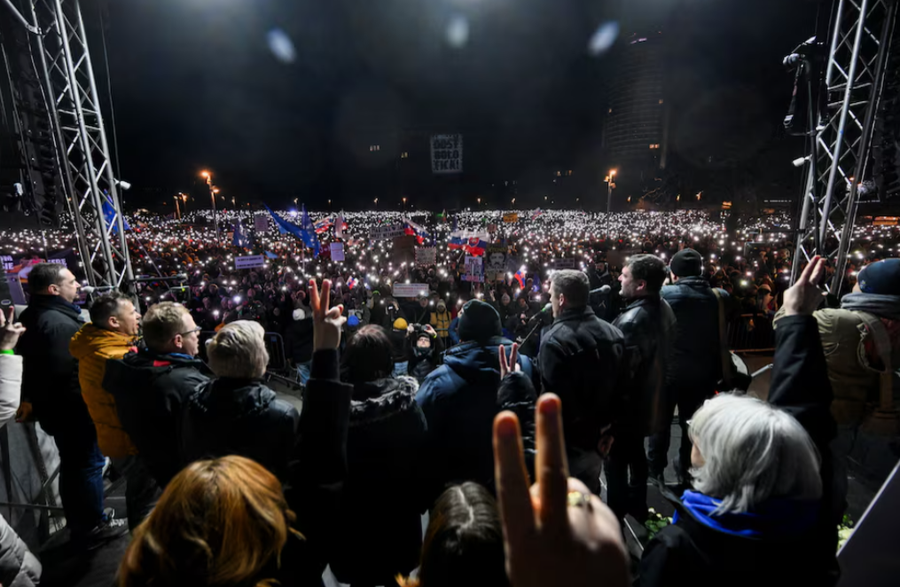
column 440, row 321
column 398, row 334
column 425, row 349
column 151, row 386
column 50, row 385
column 582, row 360
column 649, row 326
column 111, row 334
column 298, row 343
column 384, row 453
column 219, row 522
column 459, row 400
column 756, row 475
column 696, row 362
column 463, row 543
column 235, row 413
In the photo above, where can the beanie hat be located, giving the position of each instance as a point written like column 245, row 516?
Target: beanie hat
column 687, row 263
column 353, row 320
column 479, row 322
column 400, row 324
column 881, row 277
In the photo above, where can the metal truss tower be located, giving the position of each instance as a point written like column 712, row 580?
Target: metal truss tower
column 60, row 51
column 860, row 37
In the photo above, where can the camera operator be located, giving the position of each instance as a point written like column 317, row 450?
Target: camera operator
column 648, row 324
column 581, row 360
column 425, row 348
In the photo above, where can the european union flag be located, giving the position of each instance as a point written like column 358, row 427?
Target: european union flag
column 109, row 214
column 305, row 232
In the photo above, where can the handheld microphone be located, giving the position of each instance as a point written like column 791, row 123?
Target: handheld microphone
column 89, row 289
column 601, row 290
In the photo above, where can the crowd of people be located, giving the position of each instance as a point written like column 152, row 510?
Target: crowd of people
column 555, row 358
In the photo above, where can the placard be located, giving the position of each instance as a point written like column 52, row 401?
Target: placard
column 511, row 217
column 474, row 271
column 426, row 255
column 495, row 260
column 337, row 251
column 561, row 264
column 59, row 262
column 8, row 262
column 261, row 223
column 409, row 290
column 250, row 262
column 446, row 154
column 386, row 231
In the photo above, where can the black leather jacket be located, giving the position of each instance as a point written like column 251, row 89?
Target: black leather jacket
column 582, row 361
column 239, row 417
column 696, row 356
column 649, row 328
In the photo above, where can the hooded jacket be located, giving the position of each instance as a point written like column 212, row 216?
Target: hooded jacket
column 384, row 448
column 92, row 347
column 459, row 400
column 150, row 392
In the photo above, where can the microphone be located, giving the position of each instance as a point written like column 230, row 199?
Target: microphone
column 601, row 290
column 89, row 289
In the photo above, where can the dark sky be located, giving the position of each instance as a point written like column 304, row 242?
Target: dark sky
column 196, row 85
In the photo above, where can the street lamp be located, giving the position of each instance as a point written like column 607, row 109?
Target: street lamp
column 404, row 204
column 610, row 185
column 212, row 195
column 177, row 209
column 376, row 202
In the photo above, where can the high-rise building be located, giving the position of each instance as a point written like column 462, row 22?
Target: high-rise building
column 635, row 133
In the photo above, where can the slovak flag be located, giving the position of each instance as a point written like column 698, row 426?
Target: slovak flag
column 352, row 282
column 536, row 213
column 416, row 230
column 470, row 242
column 324, row 224
column 520, row 277
column 340, row 225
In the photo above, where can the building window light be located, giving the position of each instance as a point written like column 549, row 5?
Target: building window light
column 660, row 100
column 654, row 146
column 404, row 155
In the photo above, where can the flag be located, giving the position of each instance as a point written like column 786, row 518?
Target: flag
column 520, row 277
column 271, row 255
column 340, row 225
column 304, row 232
column 536, row 213
column 471, row 242
column 239, row 240
column 324, row 224
column 416, row 230
column 352, row 282
column 109, row 214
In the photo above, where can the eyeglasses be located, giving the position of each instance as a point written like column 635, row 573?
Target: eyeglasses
column 192, row 331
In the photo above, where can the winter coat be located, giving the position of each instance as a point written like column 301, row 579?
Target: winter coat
column 696, row 361
column 150, row 392
column 379, row 522
column 10, row 387
column 772, row 546
column 50, row 376
column 517, row 394
column 649, row 327
column 854, row 364
column 424, row 361
column 441, row 323
column 18, row 567
column 298, row 340
column 459, row 400
column 93, row 346
column 582, row 360
column 239, row 417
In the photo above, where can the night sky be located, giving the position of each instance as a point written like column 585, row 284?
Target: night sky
column 196, row 84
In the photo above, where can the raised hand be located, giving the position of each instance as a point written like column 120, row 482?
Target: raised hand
column 327, row 322
column 511, row 365
column 804, row 297
column 10, row 330
column 558, row 533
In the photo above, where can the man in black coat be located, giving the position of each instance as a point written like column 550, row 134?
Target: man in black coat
column 581, row 360
column 51, row 394
column 696, row 362
column 648, row 324
column 152, row 386
column 298, row 342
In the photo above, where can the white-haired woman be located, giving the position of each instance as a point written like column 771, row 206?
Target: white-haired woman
column 752, row 516
column 235, row 413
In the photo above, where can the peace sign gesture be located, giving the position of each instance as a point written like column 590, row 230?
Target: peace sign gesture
column 10, row 330
column 558, row 533
column 327, row 321
column 511, row 365
column 805, row 296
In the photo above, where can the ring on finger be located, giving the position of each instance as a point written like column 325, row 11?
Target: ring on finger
column 577, row 499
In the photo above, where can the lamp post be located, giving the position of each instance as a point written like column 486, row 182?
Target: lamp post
column 212, row 194
column 177, row 209
column 610, row 185
column 376, row 203
column 404, row 204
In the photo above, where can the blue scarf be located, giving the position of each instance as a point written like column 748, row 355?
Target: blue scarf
column 777, row 518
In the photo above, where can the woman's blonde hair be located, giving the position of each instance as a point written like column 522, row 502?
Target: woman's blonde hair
column 238, row 350
column 219, row 522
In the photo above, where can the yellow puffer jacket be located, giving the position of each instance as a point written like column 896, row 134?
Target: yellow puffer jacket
column 93, row 346
column 441, row 322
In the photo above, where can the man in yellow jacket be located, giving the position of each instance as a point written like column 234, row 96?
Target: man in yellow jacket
column 110, row 335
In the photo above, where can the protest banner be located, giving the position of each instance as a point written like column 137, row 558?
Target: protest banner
column 474, row 271
column 446, row 154
column 337, row 251
column 250, row 262
column 409, row 290
column 561, row 264
column 426, row 256
column 261, row 223
column 387, row 231
column 511, row 217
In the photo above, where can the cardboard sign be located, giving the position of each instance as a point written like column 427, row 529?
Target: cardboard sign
column 8, row 262
column 474, row 270
column 250, row 262
column 495, row 261
column 511, row 217
column 386, row 231
column 409, row 290
column 426, row 255
column 261, row 223
column 446, row 154
column 561, row 264
column 337, row 251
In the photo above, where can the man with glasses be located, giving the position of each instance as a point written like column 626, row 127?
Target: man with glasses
column 151, row 386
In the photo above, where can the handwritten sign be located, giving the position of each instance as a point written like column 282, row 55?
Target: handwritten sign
column 426, row 255
column 409, row 290
column 250, row 262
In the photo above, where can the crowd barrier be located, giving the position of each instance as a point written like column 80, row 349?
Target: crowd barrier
column 751, row 333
